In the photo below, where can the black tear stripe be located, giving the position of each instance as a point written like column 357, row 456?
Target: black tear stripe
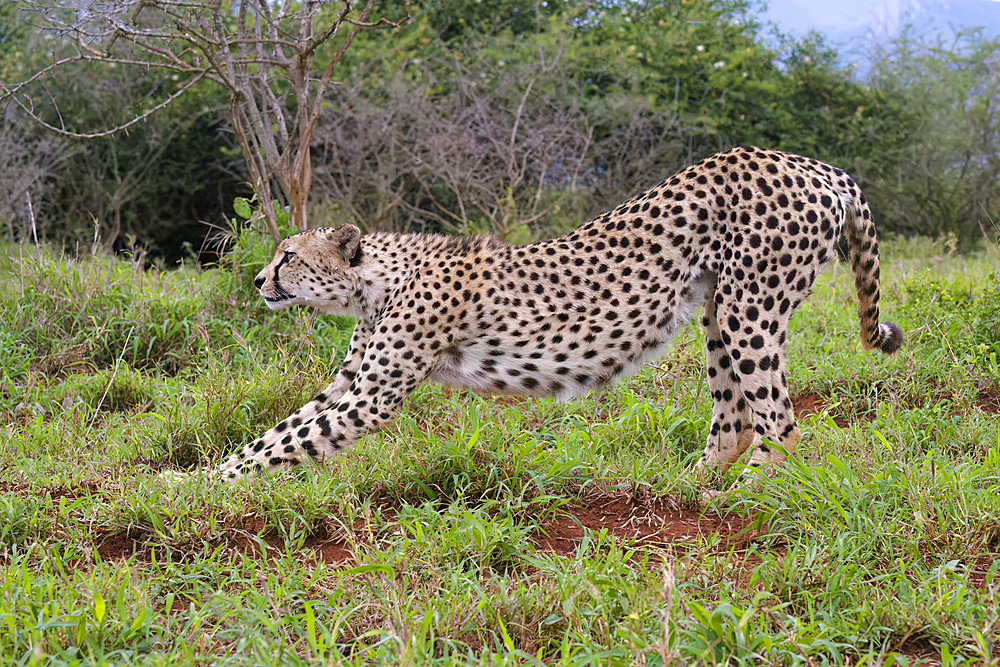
column 284, row 260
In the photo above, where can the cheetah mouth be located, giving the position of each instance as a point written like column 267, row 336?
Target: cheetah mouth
column 279, row 298
column 275, row 303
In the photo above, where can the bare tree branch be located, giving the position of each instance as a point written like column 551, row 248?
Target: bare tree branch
column 117, row 128
column 253, row 54
column 485, row 157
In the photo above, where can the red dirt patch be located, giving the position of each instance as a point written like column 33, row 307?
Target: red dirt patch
column 247, row 538
column 659, row 522
column 124, row 544
column 16, row 489
column 55, row 492
column 330, row 551
column 978, row 565
column 978, row 570
column 653, row 523
column 84, row 489
column 920, row 652
column 988, row 400
column 643, row 523
column 814, row 404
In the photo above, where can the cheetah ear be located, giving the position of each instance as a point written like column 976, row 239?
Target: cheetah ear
column 347, row 240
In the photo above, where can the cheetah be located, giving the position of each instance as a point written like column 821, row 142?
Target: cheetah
column 743, row 232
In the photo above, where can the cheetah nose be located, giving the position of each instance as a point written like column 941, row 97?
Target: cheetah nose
column 258, row 281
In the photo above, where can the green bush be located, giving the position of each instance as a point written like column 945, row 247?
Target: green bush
column 957, row 318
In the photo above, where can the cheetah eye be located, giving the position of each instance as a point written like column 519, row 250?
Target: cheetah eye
column 289, row 254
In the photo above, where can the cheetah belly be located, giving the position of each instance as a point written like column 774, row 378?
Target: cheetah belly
column 464, row 367
column 486, row 375
column 474, row 369
column 487, row 371
column 576, row 364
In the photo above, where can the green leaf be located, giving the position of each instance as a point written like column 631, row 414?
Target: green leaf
column 242, row 208
column 137, row 623
column 280, row 213
column 371, row 567
column 99, row 607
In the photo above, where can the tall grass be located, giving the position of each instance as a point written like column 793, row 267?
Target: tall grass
column 425, row 544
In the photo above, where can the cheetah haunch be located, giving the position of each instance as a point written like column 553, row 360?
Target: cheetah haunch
column 744, row 232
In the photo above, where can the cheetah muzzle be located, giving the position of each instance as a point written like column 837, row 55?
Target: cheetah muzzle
column 744, row 232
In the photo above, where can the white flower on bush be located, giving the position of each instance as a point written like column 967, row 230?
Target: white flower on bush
column 700, row 47
column 721, row 63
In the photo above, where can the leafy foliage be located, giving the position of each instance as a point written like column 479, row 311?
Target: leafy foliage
column 947, row 175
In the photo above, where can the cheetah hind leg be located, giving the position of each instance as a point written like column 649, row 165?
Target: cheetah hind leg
column 751, row 406
column 776, row 433
column 767, row 455
column 731, row 431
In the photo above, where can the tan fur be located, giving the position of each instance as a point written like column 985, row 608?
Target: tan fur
column 744, row 233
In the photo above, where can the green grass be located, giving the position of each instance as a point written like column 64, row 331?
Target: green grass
column 877, row 544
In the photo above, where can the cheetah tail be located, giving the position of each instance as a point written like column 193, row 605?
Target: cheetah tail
column 863, row 253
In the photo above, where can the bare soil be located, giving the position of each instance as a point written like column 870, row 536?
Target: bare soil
column 920, row 652
column 808, row 404
column 804, row 404
column 247, row 538
column 988, row 399
column 642, row 522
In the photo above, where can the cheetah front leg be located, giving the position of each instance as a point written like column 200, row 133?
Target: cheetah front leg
column 330, row 396
column 345, row 375
column 387, row 375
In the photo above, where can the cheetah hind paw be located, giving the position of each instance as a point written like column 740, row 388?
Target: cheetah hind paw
column 173, row 478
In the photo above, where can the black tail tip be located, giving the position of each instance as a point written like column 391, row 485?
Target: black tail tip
column 890, row 337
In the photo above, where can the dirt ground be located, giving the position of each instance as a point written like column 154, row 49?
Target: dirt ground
column 656, row 523
column 661, row 524
column 805, row 404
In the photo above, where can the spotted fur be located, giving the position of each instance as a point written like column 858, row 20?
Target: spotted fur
column 743, row 232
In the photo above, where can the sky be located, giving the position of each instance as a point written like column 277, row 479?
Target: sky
column 851, row 24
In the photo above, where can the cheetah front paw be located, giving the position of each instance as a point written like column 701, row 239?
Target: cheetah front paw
column 173, row 478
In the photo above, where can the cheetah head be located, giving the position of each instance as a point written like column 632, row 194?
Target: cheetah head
column 314, row 268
